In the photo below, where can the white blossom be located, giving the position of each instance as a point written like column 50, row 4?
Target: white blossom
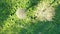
column 44, row 12
column 21, row 14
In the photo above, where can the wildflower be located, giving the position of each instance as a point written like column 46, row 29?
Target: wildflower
column 21, row 13
column 44, row 12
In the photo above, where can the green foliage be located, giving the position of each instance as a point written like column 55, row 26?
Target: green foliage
column 10, row 24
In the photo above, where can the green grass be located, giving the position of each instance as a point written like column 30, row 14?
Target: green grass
column 11, row 24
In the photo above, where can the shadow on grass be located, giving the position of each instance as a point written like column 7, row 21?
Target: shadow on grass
column 5, row 11
column 32, row 3
column 57, row 13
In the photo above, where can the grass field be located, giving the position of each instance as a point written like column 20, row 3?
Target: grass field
column 11, row 24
